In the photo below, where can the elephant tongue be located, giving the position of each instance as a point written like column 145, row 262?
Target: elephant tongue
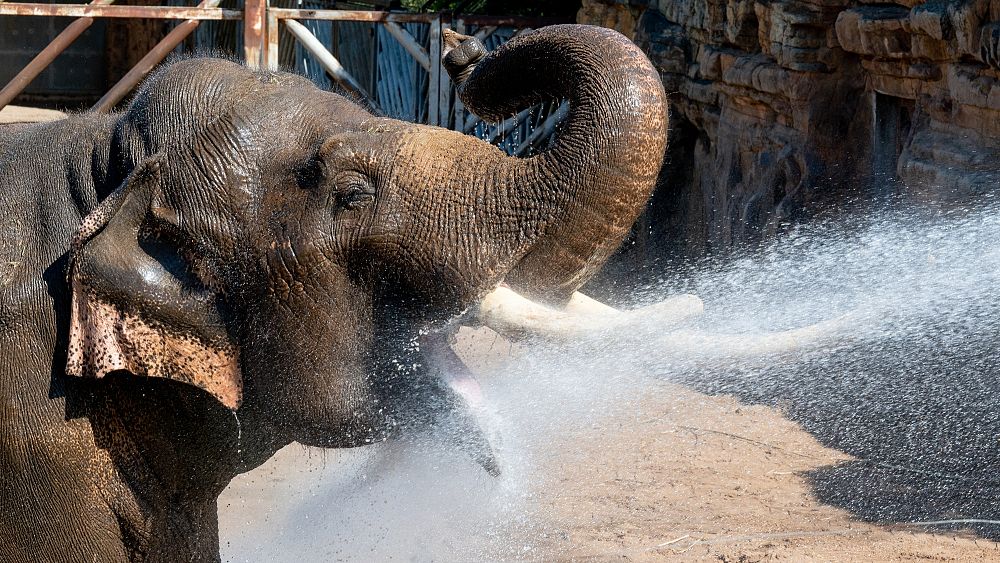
column 452, row 369
column 461, row 423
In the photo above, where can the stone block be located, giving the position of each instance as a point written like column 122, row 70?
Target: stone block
column 967, row 19
column 664, row 42
column 926, row 47
column 716, row 61
column 779, row 97
column 932, row 19
column 704, row 20
column 877, row 31
column 741, row 24
column 968, row 85
column 618, row 16
column 944, row 163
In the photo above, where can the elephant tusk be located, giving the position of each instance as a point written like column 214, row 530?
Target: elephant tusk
column 705, row 345
column 580, row 304
column 516, row 318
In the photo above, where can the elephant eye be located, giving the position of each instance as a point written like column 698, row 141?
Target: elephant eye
column 354, row 192
column 355, row 199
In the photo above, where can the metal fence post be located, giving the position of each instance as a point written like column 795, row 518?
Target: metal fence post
column 154, row 57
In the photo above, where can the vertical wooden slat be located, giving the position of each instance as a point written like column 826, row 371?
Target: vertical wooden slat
column 328, row 61
column 254, row 22
column 271, row 52
column 127, row 40
column 434, row 83
column 409, row 43
column 444, row 90
column 457, row 117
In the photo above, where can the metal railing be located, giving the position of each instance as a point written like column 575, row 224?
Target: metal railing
column 190, row 18
column 262, row 25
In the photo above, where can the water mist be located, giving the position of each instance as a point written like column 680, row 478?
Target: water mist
column 909, row 389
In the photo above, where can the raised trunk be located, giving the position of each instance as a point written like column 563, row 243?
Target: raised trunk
column 589, row 188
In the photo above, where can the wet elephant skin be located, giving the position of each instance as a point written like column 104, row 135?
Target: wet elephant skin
column 239, row 260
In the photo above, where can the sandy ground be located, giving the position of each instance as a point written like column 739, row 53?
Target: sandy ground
column 706, row 478
column 20, row 114
column 685, row 476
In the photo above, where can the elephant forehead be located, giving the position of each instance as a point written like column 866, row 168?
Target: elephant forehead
column 443, row 152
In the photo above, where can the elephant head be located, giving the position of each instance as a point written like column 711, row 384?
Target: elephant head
column 278, row 246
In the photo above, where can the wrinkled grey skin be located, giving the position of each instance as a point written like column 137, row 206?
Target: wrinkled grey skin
column 248, row 215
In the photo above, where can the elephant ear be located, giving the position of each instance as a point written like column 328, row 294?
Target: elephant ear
column 135, row 305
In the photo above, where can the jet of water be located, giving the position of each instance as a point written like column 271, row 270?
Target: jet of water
column 912, row 394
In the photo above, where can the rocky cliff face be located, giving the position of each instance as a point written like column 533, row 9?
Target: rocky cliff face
column 781, row 108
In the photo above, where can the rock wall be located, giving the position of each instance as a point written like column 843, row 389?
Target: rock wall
column 782, row 108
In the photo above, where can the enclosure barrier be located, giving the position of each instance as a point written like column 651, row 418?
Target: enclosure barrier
column 190, row 16
column 261, row 36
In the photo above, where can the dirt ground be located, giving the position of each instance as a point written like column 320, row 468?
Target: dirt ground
column 706, row 478
column 692, row 478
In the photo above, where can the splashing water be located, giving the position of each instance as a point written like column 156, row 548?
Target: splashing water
column 910, row 391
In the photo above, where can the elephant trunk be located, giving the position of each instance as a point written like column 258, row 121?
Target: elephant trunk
column 587, row 190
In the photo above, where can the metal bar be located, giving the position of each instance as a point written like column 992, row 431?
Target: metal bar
column 254, row 22
column 544, row 130
column 42, row 60
column 95, row 11
column 409, row 43
column 473, row 120
column 152, row 58
column 434, row 78
column 513, row 21
column 326, row 60
column 376, row 16
column 520, row 32
column 272, row 42
column 350, row 15
column 509, row 124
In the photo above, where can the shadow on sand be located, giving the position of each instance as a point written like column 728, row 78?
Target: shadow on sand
column 919, row 407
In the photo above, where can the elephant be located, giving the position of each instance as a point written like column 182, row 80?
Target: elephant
column 239, row 260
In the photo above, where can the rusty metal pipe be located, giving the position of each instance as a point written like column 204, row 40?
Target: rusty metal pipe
column 100, row 11
column 329, row 63
column 42, row 60
column 379, row 16
column 145, row 65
